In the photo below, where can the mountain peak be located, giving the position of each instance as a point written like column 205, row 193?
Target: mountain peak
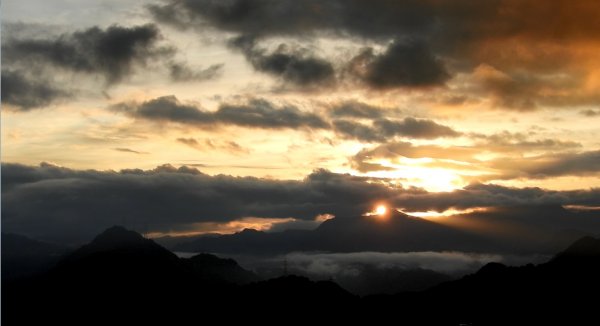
column 119, row 239
column 584, row 247
column 118, row 236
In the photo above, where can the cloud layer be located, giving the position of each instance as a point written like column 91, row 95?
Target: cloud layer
column 54, row 201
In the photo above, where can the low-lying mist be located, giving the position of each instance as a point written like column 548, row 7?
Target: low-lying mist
column 365, row 273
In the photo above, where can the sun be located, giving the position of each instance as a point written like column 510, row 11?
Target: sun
column 380, row 210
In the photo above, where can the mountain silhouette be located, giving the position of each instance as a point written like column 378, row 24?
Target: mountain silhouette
column 121, row 276
column 120, row 273
column 118, row 252
column 206, row 267
column 509, row 230
column 398, row 232
column 557, row 291
column 581, row 250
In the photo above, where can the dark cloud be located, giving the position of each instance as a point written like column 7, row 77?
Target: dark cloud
column 295, row 66
column 403, row 64
column 54, row 201
column 254, row 114
column 353, row 109
column 261, row 113
column 111, row 52
column 128, row 150
column 452, row 18
column 541, row 48
column 490, row 195
column 181, row 72
column 50, row 199
column 590, row 113
column 357, row 130
column 518, row 142
column 453, row 24
column 167, row 108
column 383, row 130
column 190, row 142
column 524, row 88
column 25, row 94
column 545, row 166
column 415, row 128
column 268, row 18
column 516, row 92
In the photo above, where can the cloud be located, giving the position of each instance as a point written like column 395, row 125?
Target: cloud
column 537, row 61
column 112, row 52
column 590, row 113
column 260, row 113
column 295, row 66
column 52, row 201
column 453, row 24
column 190, row 142
column 367, row 273
column 509, row 162
column 26, row 94
column 395, row 150
column 544, row 166
column 335, row 263
column 128, row 150
column 490, row 195
column 403, row 64
column 255, row 114
column 181, row 72
column 214, row 144
column 356, row 130
column 382, row 130
column 167, row 108
column 518, row 142
column 354, row 109
column 289, row 17
column 268, row 18
column 415, row 128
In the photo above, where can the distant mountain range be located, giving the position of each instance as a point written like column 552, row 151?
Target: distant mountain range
column 121, row 276
column 522, row 230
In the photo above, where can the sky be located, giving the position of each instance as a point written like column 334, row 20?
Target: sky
column 212, row 116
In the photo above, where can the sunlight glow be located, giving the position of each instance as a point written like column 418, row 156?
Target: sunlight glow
column 446, row 213
column 381, row 210
column 412, row 172
column 430, row 179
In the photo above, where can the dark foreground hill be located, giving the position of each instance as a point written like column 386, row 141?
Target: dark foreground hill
column 23, row 257
column 122, row 278
column 563, row 290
